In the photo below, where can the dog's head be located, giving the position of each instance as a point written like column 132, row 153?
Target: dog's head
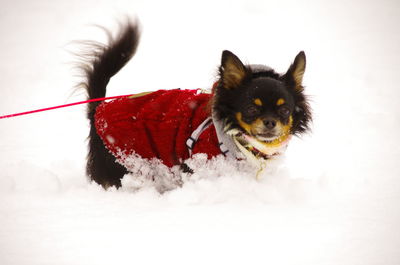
column 260, row 102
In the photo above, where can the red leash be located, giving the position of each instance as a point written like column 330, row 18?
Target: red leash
column 61, row 106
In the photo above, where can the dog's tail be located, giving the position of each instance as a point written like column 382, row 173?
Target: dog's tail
column 104, row 61
column 101, row 63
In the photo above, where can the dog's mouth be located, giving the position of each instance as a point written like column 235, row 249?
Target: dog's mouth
column 266, row 137
column 261, row 146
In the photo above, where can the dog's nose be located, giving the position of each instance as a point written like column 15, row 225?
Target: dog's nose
column 269, row 124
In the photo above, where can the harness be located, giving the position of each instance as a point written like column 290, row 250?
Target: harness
column 191, row 141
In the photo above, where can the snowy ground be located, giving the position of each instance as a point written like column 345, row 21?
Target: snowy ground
column 335, row 200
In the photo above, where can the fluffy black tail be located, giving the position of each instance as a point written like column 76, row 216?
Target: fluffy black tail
column 103, row 62
column 106, row 60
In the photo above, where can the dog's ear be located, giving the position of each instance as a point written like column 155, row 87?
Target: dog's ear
column 296, row 70
column 232, row 71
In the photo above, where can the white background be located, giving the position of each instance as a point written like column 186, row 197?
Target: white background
column 335, row 200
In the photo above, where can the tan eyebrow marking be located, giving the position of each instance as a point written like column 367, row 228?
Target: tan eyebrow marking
column 280, row 101
column 258, row 102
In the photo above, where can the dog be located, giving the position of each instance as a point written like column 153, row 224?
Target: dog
column 251, row 113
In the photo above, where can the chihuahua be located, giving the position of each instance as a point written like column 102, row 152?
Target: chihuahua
column 250, row 114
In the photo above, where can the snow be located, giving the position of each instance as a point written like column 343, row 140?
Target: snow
column 333, row 200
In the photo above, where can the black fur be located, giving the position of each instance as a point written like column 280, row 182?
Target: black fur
column 103, row 62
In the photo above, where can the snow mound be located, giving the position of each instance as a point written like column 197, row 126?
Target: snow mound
column 217, row 180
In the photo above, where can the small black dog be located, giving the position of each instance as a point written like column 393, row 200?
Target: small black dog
column 251, row 114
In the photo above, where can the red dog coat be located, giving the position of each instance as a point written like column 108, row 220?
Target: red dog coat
column 167, row 124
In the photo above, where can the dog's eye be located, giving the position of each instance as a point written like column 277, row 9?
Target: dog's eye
column 252, row 110
column 284, row 112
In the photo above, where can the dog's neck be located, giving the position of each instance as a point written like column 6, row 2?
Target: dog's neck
column 226, row 139
column 242, row 146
